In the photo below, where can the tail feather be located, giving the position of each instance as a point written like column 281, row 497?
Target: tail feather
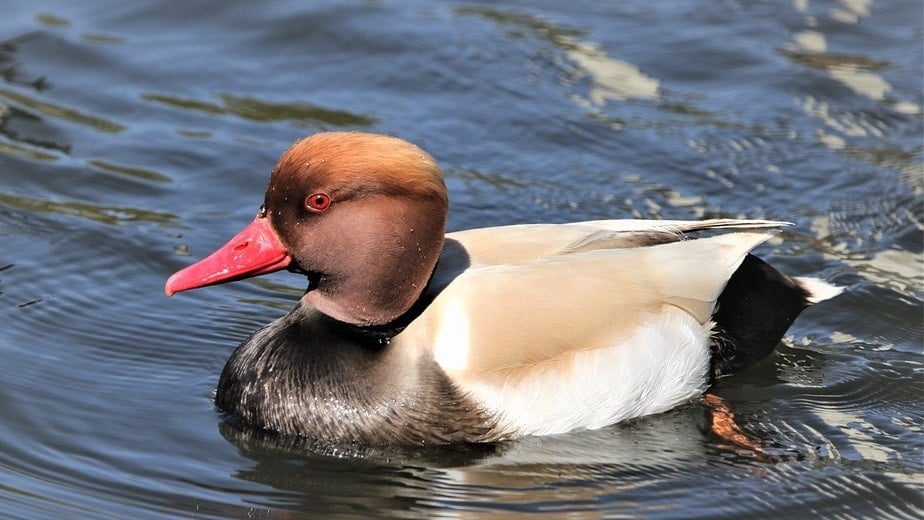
column 818, row 290
column 755, row 309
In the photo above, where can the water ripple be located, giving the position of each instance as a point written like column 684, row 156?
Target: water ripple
column 254, row 109
column 33, row 104
column 97, row 213
column 127, row 149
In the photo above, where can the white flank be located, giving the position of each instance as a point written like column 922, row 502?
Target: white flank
column 664, row 363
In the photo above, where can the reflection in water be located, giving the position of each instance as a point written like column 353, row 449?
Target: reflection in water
column 55, row 21
column 648, row 193
column 806, row 110
column 264, row 111
column 196, row 134
column 860, row 74
column 130, row 171
column 24, row 129
column 855, row 72
column 611, row 79
column 810, row 41
column 844, row 123
column 861, row 81
column 103, row 39
column 52, row 20
column 578, row 472
column 586, row 474
column 851, row 11
column 56, row 111
column 848, row 403
column 103, row 214
column 18, row 150
column 903, row 270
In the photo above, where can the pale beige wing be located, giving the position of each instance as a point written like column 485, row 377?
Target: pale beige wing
column 527, row 242
column 508, row 244
column 500, row 317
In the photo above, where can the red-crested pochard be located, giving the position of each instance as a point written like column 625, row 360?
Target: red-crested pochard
column 407, row 334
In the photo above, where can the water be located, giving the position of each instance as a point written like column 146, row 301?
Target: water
column 136, row 137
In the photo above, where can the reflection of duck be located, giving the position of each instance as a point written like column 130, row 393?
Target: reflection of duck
column 567, row 471
column 406, row 335
column 605, row 469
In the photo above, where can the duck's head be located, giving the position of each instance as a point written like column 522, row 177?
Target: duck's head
column 362, row 215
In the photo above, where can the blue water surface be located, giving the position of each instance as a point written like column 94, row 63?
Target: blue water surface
column 136, row 137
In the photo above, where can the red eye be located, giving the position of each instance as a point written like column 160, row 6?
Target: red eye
column 318, row 201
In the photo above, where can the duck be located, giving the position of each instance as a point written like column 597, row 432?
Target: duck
column 409, row 335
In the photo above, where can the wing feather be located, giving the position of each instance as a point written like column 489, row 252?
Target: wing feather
column 500, row 316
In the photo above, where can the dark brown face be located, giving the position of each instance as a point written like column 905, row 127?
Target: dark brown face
column 305, row 215
column 362, row 214
column 346, row 206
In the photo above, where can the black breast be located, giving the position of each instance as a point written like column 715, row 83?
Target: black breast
column 309, row 375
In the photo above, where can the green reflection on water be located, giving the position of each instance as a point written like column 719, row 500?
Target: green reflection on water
column 819, row 60
column 130, row 171
column 195, row 134
column 104, row 214
column 52, row 20
column 15, row 150
column 264, row 111
column 252, row 108
column 60, row 112
column 191, row 104
column 104, row 39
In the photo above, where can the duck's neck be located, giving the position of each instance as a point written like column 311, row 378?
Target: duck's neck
column 380, row 284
